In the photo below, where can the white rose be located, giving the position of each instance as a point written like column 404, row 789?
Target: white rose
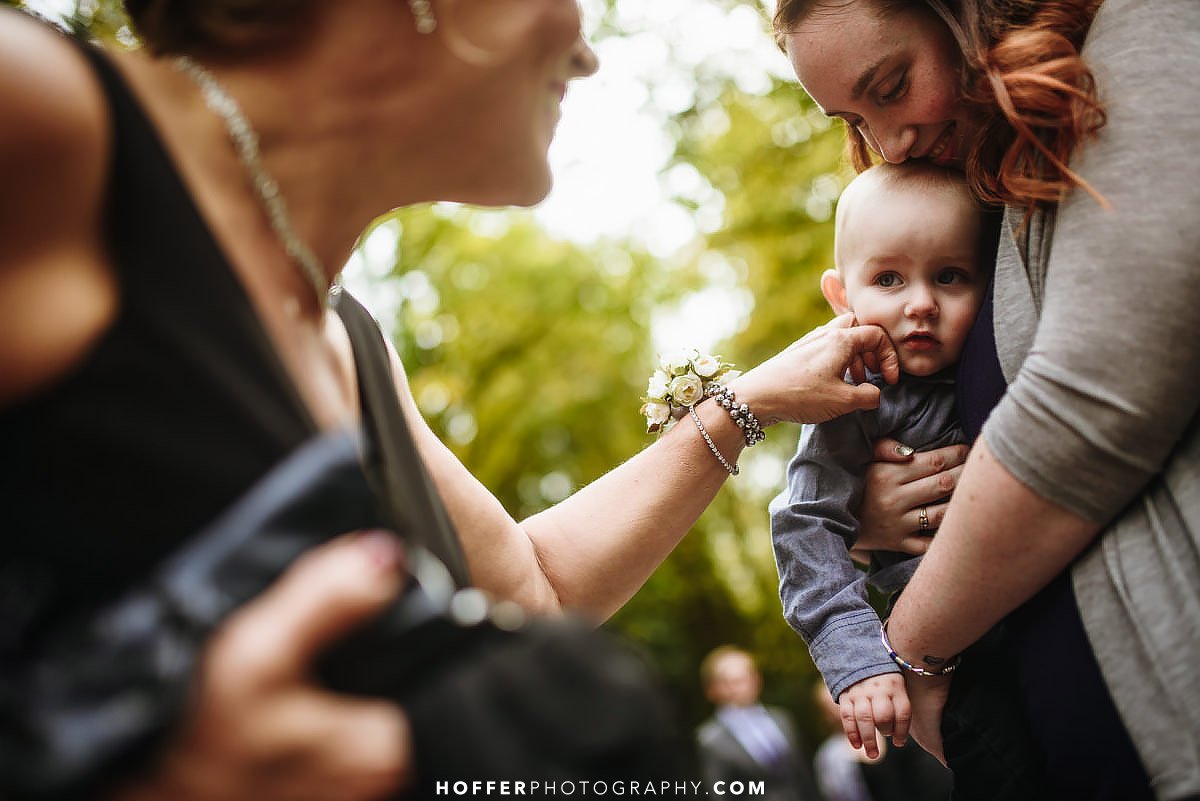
column 657, row 388
column 729, row 375
column 706, row 366
column 686, row 390
column 679, row 362
column 657, row 413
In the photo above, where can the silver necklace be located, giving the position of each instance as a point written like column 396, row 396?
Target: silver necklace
column 245, row 143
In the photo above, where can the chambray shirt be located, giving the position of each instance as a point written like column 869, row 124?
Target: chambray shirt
column 814, row 524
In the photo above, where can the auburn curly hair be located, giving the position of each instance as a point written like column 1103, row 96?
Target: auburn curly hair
column 180, row 26
column 1025, row 80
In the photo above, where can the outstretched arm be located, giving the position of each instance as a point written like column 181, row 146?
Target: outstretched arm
column 593, row 551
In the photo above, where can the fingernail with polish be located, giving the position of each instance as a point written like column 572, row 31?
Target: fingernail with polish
column 904, row 450
column 383, row 549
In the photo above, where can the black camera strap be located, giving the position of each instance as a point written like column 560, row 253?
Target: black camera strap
column 391, row 460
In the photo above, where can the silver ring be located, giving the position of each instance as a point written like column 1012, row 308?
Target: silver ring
column 923, row 519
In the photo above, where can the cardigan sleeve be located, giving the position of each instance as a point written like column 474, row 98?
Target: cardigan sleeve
column 1112, row 374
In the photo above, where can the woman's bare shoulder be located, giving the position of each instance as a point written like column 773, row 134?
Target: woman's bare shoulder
column 56, row 292
column 53, row 135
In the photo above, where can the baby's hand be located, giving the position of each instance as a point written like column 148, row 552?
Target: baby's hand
column 879, row 703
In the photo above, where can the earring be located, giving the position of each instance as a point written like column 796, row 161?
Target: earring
column 422, row 11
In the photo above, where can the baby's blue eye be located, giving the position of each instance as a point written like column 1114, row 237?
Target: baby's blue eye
column 887, row 280
column 952, row 277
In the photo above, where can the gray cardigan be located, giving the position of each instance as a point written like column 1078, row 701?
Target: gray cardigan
column 1098, row 330
column 814, row 525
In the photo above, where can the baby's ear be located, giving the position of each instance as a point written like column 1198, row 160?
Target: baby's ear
column 834, row 291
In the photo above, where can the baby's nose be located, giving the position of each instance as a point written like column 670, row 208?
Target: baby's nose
column 921, row 304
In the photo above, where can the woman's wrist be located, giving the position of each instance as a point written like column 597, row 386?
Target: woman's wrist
column 721, row 429
column 912, row 641
column 927, row 666
column 739, row 412
column 766, row 412
column 730, row 467
column 688, row 387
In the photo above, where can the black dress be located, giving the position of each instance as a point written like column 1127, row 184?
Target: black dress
column 172, row 414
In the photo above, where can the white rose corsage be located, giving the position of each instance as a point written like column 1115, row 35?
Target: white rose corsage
column 679, row 382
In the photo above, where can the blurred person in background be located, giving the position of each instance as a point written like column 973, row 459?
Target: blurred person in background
column 745, row 741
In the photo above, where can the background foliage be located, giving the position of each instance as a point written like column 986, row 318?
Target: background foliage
column 529, row 355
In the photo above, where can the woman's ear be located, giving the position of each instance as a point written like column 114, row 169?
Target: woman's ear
column 834, row 291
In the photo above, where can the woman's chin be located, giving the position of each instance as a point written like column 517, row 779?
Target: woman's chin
column 535, row 194
column 521, row 192
column 524, row 199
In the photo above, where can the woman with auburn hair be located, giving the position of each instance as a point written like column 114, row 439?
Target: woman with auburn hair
column 173, row 220
column 1077, row 517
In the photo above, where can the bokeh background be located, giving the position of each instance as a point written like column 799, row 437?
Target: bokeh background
column 692, row 206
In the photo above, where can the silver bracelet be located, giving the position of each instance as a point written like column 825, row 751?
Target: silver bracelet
column 732, row 468
column 916, row 670
column 739, row 412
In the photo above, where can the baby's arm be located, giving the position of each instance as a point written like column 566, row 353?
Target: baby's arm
column 812, row 527
column 824, row 595
column 878, row 704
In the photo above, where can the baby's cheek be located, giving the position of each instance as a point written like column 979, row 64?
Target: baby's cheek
column 952, row 347
column 959, row 328
column 866, row 313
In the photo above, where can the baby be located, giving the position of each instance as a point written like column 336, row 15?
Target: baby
column 909, row 249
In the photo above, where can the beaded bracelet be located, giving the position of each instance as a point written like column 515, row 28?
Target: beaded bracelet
column 740, row 412
column 916, row 670
column 712, row 446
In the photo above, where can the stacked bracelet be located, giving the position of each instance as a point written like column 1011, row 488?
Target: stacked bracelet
column 740, row 412
column 904, row 664
column 732, row 468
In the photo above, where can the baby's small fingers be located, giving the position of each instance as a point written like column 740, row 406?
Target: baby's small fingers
column 903, row 719
column 850, row 723
column 866, row 730
column 884, row 715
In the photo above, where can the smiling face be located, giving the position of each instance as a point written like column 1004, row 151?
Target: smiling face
column 893, row 76
column 519, row 56
column 907, row 251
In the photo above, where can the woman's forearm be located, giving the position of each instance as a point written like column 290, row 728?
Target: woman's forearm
column 601, row 544
column 1000, row 543
column 591, row 552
